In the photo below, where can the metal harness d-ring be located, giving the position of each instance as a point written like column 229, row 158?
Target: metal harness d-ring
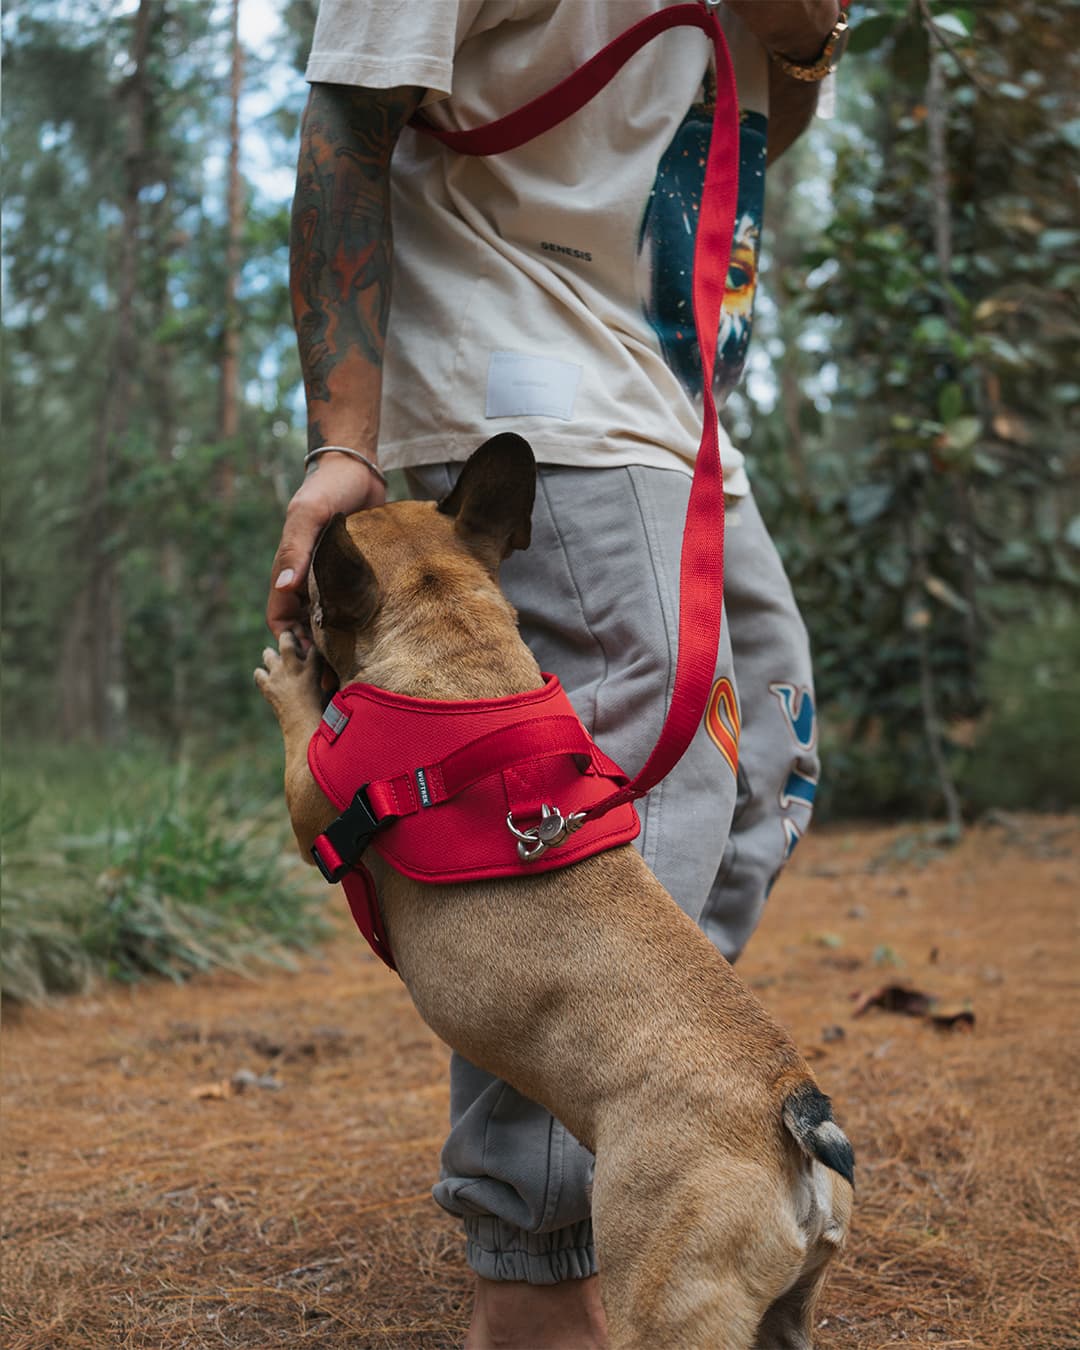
column 554, row 828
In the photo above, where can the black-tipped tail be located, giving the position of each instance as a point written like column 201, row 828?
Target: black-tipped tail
column 808, row 1116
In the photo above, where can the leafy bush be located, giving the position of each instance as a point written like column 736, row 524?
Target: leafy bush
column 915, row 451
column 1028, row 751
column 128, row 871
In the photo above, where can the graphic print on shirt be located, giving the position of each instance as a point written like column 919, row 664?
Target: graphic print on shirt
column 666, row 250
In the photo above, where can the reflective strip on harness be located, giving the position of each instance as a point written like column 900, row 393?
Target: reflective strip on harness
column 335, row 718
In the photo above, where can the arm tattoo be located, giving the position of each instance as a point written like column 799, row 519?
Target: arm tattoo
column 341, row 243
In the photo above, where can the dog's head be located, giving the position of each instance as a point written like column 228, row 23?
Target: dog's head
column 399, row 591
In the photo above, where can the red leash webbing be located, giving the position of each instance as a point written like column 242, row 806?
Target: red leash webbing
column 701, row 569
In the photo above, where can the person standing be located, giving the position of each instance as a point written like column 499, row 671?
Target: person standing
column 547, row 291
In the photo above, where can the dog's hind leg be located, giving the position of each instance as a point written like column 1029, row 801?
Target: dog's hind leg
column 788, row 1323
column 822, row 1200
column 692, row 1251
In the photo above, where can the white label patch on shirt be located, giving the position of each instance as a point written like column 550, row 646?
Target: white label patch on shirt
column 531, row 386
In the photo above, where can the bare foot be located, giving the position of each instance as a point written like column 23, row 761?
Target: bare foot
column 512, row 1316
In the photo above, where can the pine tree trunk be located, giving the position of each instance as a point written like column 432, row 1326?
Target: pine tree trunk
column 228, row 397
column 93, row 699
column 228, row 423
column 161, row 383
column 937, row 148
column 787, row 247
column 940, row 179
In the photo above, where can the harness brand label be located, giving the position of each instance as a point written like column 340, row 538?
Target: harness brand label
column 422, row 787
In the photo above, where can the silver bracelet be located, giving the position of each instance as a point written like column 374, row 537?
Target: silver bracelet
column 313, row 455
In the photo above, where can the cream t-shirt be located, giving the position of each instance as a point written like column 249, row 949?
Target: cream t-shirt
column 547, row 290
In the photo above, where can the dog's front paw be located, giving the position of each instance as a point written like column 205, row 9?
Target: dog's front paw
column 288, row 680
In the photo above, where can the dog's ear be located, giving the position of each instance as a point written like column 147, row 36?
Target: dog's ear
column 348, row 591
column 492, row 500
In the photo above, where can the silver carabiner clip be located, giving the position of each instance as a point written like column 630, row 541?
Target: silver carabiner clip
column 553, row 829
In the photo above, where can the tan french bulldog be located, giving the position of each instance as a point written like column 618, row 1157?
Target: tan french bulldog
column 723, row 1185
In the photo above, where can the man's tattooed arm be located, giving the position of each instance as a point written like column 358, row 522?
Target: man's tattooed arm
column 340, row 255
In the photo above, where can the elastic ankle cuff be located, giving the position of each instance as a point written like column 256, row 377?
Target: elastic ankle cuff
column 498, row 1251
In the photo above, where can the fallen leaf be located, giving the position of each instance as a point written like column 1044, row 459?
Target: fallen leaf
column 899, row 998
column 938, row 588
column 1012, row 428
column 244, row 1078
column 957, row 1019
column 838, row 961
column 213, row 1092
column 896, row 998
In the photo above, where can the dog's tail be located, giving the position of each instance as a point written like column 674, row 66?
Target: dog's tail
column 808, row 1116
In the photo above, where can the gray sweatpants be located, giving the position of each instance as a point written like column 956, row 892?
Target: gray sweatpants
column 597, row 598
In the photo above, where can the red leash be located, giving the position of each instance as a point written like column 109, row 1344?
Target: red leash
column 701, row 576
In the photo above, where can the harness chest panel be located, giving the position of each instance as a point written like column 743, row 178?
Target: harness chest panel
column 445, row 781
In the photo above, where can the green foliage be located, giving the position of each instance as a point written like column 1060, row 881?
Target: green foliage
column 120, row 866
column 937, row 477
column 192, row 521
column 1028, row 752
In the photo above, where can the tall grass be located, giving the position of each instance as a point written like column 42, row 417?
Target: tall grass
column 122, row 865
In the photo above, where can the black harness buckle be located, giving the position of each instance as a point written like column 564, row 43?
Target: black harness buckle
column 348, row 837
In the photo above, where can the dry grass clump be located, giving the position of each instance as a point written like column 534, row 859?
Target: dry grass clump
column 166, row 878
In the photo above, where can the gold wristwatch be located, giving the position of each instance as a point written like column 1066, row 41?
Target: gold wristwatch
column 826, row 63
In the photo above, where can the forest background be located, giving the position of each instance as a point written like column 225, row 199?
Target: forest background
column 909, row 416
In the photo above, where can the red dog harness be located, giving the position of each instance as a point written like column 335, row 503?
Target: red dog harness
column 459, row 791
column 506, row 762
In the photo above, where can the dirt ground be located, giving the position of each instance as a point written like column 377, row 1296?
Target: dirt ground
column 248, row 1163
